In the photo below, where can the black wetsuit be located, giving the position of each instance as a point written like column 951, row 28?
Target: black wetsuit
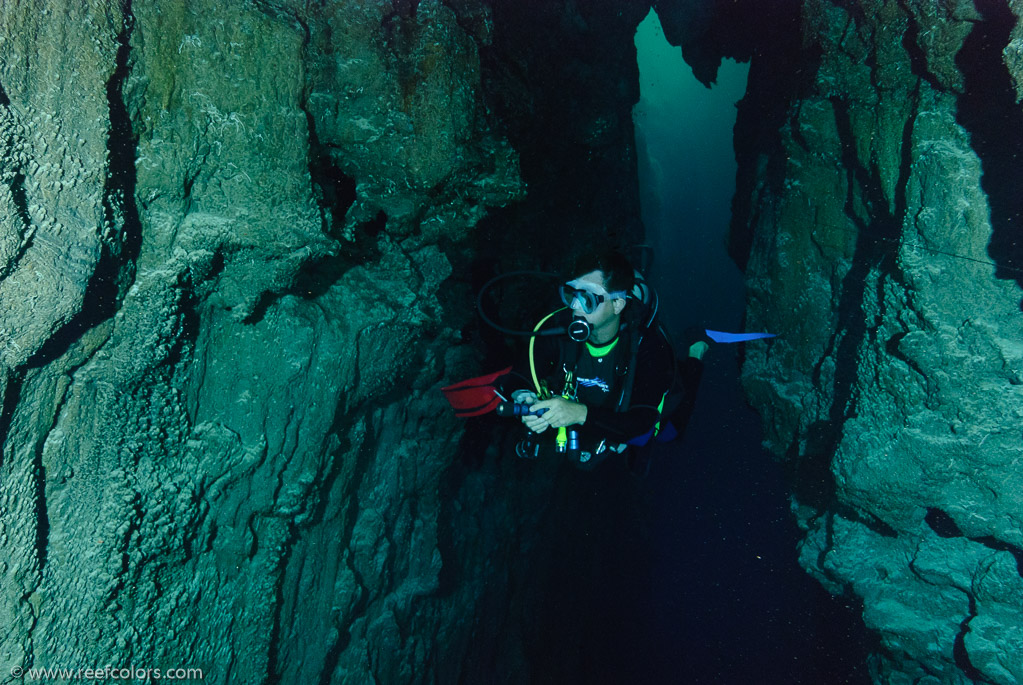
column 601, row 379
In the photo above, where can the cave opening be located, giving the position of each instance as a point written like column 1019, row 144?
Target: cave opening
column 730, row 600
column 692, row 570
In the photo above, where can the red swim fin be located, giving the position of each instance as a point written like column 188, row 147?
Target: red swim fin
column 474, row 396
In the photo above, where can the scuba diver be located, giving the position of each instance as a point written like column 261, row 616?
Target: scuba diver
column 601, row 372
column 607, row 381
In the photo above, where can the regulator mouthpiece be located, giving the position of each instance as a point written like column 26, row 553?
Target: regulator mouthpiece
column 579, row 330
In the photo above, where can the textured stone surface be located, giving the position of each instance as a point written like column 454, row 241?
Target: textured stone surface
column 883, row 254
column 223, row 444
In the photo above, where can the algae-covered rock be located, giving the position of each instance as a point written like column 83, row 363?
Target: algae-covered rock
column 221, row 248
column 893, row 388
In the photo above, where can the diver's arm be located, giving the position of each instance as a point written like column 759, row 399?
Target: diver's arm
column 690, row 372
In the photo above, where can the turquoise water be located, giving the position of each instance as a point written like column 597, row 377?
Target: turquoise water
column 687, row 179
column 727, row 601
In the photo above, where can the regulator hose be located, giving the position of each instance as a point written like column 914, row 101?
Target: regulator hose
column 511, row 331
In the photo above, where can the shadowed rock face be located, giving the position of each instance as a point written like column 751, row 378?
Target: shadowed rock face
column 885, row 253
column 221, row 335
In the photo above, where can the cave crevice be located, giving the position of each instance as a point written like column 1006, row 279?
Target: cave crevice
column 189, row 325
column 944, row 525
column 279, row 11
column 30, row 637
column 42, row 515
column 892, row 349
column 287, row 547
column 334, row 190
column 114, row 271
column 875, row 233
column 11, row 399
column 15, row 178
column 119, row 206
column 316, row 276
column 363, row 457
column 987, row 109
column 959, row 652
column 917, row 56
column 870, row 521
column 991, row 542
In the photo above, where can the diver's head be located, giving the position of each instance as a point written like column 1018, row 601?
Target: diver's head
column 597, row 293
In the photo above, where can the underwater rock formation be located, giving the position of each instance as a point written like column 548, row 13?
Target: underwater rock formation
column 879, row 225
column 236, row 260
column 222, row 338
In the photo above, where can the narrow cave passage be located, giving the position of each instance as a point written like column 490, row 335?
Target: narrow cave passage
column 701, row 583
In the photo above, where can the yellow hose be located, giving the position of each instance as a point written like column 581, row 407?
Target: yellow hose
column 532, row 342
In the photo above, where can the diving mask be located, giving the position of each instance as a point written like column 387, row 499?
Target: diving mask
column 588, row 298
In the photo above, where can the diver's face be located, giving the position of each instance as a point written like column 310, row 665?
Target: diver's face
column 606, row 313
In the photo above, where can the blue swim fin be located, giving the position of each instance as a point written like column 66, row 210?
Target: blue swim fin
column 723, row 337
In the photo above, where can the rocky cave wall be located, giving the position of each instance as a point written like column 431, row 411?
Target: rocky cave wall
column 879, row 225
column 236, row 254
column 221, row 334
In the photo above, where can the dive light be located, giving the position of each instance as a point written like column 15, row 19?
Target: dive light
column 516, row 409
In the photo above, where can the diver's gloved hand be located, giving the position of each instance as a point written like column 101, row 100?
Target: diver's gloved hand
column 562, row 412
column 523, row 397
column 697, row 341
column 528, row 398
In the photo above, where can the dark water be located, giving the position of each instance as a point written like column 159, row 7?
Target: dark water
column 689, row 575
column 699, row 582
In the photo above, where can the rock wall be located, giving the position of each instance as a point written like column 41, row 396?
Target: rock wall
column 222, row 336
column 879, row 222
